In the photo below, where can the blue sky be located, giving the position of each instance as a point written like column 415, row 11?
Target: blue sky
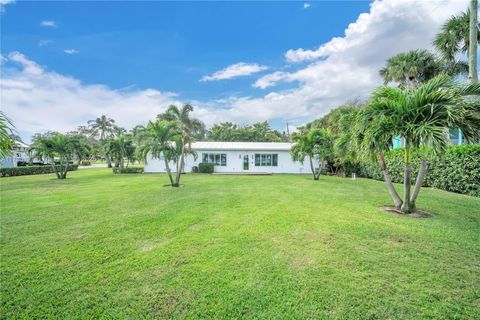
column 275, row 61
column 169, row 45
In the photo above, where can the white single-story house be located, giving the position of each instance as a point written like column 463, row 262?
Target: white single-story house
column 239, row 157
column 18, row 154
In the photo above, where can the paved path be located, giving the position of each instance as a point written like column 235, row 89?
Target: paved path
column 95, row 165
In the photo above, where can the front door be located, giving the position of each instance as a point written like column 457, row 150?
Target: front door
column 245, row 162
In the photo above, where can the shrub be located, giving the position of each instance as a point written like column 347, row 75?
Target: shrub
column 205, row 167
column 194, row 169
column 86, row 163
column 457, row 169
column 128, row 170
column 29, row 170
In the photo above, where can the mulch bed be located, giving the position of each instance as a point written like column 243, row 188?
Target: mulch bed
column 416, row 214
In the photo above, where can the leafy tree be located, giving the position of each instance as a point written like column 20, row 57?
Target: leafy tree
column 81, row 147
column 339, row 123
column 156, row 141
column 121, row 148
column 6, row 142
column 52, row 146
column 258, row 132
column 422, row 117
column 315, row 143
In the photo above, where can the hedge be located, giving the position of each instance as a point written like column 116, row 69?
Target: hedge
column 456, row 170
column 205, row 167
column 29, row 170
column 128, row 170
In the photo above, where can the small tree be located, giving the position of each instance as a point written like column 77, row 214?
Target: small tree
column 54, row 146
column 157, row 141
column 422, row 117
column 315, row 143
column 120, row 148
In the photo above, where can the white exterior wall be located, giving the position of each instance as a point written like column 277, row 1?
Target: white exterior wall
column 235, row 163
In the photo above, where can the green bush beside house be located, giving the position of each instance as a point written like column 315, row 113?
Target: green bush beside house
column 456, row 170
column 205, row 167
column 127, row 170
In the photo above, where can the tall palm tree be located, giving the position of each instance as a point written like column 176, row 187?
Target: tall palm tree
column 191, row 128
column 156, row 141
column 315, row 143
column 103, row 127
column 421, row 116
column 49, row 147
column 454, row 36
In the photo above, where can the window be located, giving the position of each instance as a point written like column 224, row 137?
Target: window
column 218, row 159
column 266, row 160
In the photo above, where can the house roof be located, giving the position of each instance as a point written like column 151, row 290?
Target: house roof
column 251, row 146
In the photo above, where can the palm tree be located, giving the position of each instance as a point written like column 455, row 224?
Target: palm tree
column 156, row 141
column 103, row 127
column 51, row 146
column 81, row 147
column 191, row 128
column 315, row 143
column 6, row 142
column 120, row 148
column 421, row 116
column 410, row 68
column 454, row 36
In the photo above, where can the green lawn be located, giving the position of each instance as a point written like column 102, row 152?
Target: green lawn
column 99, row 245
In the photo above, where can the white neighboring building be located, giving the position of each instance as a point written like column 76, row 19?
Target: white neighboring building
column 239, row 157
column 18, row 154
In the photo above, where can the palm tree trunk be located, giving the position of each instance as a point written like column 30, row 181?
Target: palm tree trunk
column 64, row 173
column 313, row 169
column 179, row 167
column 406, row 208
column 391, row 189
column 418, row 183
column 54, row 167
column 472, row 56
column 169, row 172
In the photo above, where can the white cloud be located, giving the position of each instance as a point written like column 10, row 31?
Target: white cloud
column 48, row 24
column 44, row 43
column 29, row 67
column 71, row 51
column 235, row 70
column 271, row 79
column 3, row 3
column 306, row 5
column 38, row 100
column 346, row 68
